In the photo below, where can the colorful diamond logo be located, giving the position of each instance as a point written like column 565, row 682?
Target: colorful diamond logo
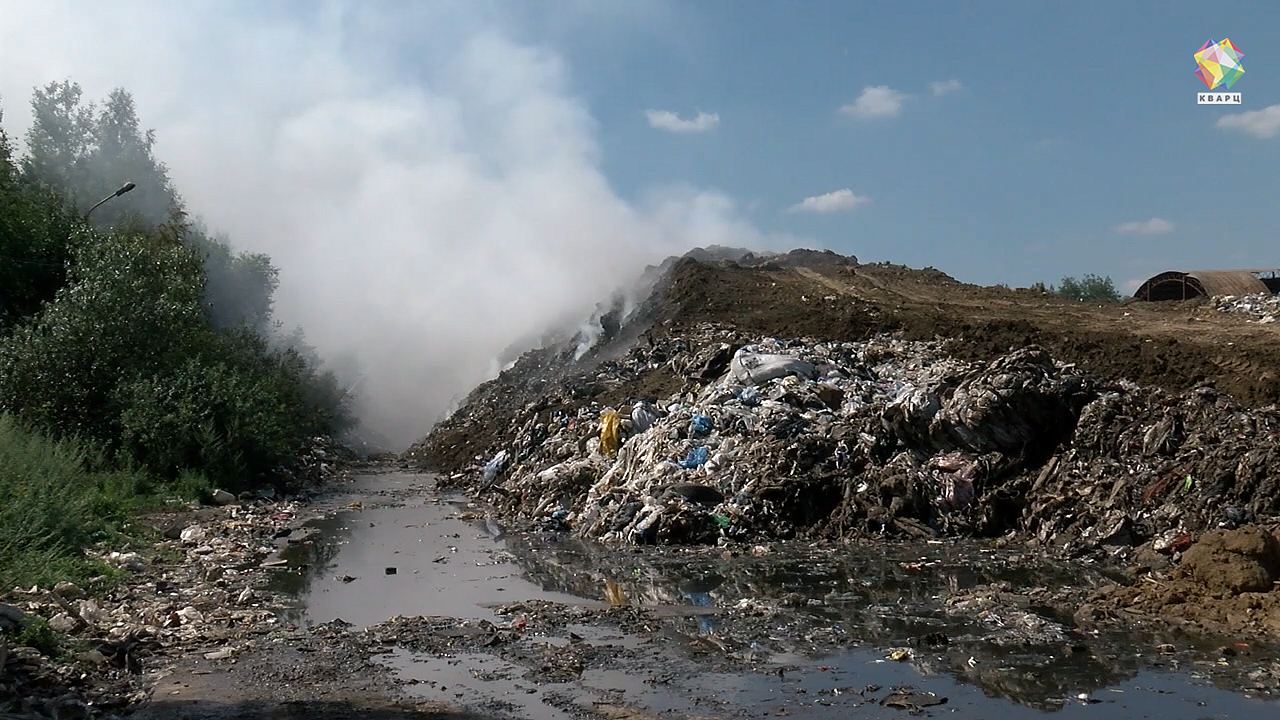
column 1219, row 64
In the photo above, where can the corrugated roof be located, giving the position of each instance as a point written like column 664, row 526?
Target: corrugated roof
column 1180, row 285
column 1229, row 282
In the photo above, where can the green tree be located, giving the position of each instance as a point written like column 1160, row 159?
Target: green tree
column 61, row 137
column 241, row 286
column 123, row 152
column 1090, row 287
column 37, row 231
column 126, row 355
column 145, row 335
column 130, row 306
column 87, row 153
column 7, row 169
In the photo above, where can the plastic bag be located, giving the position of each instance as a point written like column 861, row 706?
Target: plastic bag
column 643, row 416
column 700, row 425
column 696, row 458
column 494, row 467
column 610, row 432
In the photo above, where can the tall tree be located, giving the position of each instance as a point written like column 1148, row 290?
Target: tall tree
column 36, row 233
column 89, row 152
column 6, row 157
column 123, row 152
column 61, row 137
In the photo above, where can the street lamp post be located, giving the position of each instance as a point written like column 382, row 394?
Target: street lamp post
column 123, row 189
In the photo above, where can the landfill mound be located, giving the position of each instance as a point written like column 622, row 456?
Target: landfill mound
column 811, row 396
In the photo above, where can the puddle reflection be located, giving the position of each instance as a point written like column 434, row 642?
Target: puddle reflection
column 788, row 607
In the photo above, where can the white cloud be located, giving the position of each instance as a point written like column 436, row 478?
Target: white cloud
column 1264, row 123
column 834, row 201
column 876, row 102
column 671, row 122
column 1154, row 226
column 942, row 88
column 423, row 217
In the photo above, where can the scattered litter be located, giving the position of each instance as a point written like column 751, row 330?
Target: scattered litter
column 1262, row 307
column 222, row 497
column 494, row 467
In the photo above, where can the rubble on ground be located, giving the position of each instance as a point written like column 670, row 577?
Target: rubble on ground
column 1262, row 307
column 318, row 462
column 768, row 438
column 198, row 589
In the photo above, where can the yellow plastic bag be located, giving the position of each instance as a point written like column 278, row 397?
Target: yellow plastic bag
column 610, row 432
column 613, row 593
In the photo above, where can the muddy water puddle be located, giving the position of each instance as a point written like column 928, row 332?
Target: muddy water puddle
column 397, row 553
column 539, row 625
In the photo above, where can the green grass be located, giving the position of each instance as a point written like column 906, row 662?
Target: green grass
column 55, row 504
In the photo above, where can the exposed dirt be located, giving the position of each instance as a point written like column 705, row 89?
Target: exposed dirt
column 318, row 675
column 1225, row 583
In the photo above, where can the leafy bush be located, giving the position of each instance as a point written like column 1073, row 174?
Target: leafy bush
column 125, row 355
column 236, row 410
column 36, row 235
column 1089, row 287
column 153, row 338
column 37, row 633
column 130, row 307
column 138, row 355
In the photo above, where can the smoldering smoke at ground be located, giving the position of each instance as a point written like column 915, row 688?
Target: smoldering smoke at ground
column 425, row 177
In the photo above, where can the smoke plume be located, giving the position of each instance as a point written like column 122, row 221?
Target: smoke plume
column 423, row 174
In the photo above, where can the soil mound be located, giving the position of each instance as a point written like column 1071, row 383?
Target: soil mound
column 1234, row 561
column 1226, row 583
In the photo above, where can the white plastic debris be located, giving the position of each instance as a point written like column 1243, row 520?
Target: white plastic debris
column 1262, row 307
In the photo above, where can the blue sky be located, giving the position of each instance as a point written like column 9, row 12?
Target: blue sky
column 438, row 179
column 1058, row 122
column 1069, row 121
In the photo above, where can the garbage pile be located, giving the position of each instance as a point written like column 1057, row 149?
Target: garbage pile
column 319, row 461
column 1263, row 307
column 771, row 439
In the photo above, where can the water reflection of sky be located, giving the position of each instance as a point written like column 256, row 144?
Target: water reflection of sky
column 871, row 598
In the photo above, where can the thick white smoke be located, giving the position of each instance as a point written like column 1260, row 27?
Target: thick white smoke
column 424, row 214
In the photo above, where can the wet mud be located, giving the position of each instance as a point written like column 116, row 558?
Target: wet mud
column 522, row 622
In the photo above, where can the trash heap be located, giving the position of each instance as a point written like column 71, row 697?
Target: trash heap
column 771, row 439
column 314, row 464
column 1263, row 307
